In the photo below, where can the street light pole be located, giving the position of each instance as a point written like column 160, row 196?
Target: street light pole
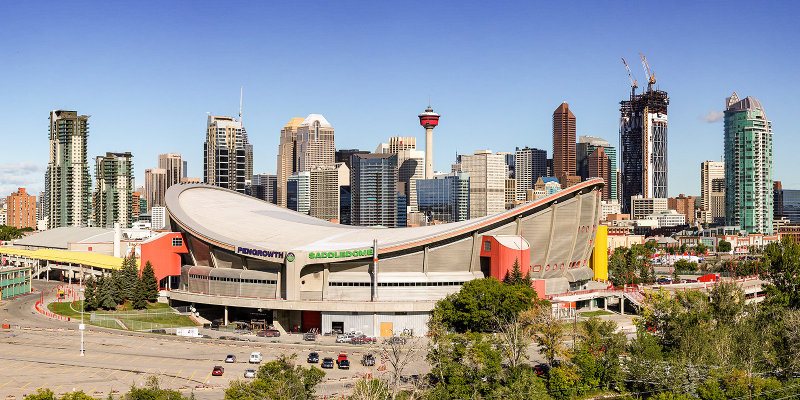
column 81, row 327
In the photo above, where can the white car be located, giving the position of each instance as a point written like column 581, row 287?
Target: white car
column 255, row 357
column 249, row 373
column 344, row 338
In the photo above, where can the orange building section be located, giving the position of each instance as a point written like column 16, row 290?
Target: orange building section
column 502, row 251
column 164, row 253
column 21, row 210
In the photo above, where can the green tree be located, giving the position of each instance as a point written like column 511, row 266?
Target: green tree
column 467, row 366
column 723, row 246
column 90, row 294
column 521, row 383
column 107, row 293
column 127, row 280
column 8, row 233
column 781, row 267
column 515, row 277
column 278, row 380
column 139, row 300
column 480, row 303
column 598, row 353
column 727, row 302
column 370, row 389
column 152, row 391
column 563, row 383
column 150, row 283
column 700, row 248
column 47, row 394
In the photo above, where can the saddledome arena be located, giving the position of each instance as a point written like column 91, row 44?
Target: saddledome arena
column 249, row 258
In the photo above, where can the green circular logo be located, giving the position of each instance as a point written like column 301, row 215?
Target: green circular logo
column 289, row 257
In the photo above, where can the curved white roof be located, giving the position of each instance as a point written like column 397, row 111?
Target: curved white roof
column 233, row 219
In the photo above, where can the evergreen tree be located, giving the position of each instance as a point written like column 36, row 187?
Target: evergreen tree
column 139, row 300
column 108, row 301
column 149, row 282
column 129, row 276
column 116, row 286
column 516, row 277
column 90, row 294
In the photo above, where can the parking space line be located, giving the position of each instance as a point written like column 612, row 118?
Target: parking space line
column 207, row 376
column 1, row 386
column 26, row 385
column 112, row 373
column 98, row 371
column 175, row 377
column 188, row 381
column 126, row 375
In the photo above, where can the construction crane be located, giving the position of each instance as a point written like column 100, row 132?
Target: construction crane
column 630, row 77
column 651, row 76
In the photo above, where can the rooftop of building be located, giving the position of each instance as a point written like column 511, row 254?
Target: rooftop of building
column 309, row 121
column 746, row 104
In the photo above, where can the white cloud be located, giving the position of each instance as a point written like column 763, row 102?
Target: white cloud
column 24, row 174
column 713, row 116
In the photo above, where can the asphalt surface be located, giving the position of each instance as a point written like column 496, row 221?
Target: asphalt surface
column 40, row 352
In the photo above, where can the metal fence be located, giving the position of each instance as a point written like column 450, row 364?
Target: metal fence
column 136, row 320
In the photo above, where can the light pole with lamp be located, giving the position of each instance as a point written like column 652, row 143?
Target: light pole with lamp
column 82, row 327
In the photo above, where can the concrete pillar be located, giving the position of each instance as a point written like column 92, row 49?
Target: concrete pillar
column 622, row 305
column 225, row 318
column 428, row 152
column 605, row 303
column 591, row 304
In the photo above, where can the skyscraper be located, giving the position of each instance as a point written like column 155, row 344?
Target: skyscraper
column 172, row 163
column 529, row 164
column 287, row 157
column 748, row 165
column 155, row 186
column 325, row 191
column 712, row 191
column 21, row 210
column 398, row 143
column 564, row 146
column 344, row 155
column 600, row 167
column 487, row 177
column 265, row 187
column 373, row 181
column 228, row 155
column 643, row 143
column 584, row 148
column 315, row 143
column 445, row 198
column 298, row 192
column 68, row 198
column 113, row 190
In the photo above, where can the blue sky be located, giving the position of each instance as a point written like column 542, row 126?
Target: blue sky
column 148, row 72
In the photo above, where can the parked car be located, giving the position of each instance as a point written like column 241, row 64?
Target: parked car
column 269, row 333
column 395, row 340
column 368, row 360
column 230, row 358
column 313, row 358
column 218, row 371
column 342, row 357
column 310, row 336
column 327, row 363
column 344, row 364
column 250, row 373
column 664, row 281
column 363, row 339
column 255, row 357
column 344, row 338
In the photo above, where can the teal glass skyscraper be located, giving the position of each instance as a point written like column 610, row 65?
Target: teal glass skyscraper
column 748, row 166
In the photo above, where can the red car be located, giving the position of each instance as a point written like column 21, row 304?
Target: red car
column 218, row 371
column 362, row 339
column 269, row 333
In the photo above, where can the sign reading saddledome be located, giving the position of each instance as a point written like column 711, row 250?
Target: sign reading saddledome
column 340, row 254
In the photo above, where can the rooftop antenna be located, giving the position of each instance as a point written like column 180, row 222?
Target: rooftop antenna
column 429, row 101
column 241, row 91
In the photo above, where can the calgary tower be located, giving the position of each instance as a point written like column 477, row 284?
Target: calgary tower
column 429, row 120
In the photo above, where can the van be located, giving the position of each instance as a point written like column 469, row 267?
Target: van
column 255, row 357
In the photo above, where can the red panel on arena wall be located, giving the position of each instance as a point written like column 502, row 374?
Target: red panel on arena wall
column 311, row 319
column 503, row 251
column 163, row 252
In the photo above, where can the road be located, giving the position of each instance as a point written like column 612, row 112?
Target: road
column 39, row 352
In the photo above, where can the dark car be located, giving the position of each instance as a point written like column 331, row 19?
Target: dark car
column 327, row 362
column 269, row 333
column 310, row 336
column 368, row 360
column 663, row 281
column 344, row 364
column 218, row 371
column 541, row 369
column 313, row 358
column 230, row 358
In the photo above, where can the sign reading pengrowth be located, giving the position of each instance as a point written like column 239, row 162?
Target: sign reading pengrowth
column 340, row 254
column 261, row 253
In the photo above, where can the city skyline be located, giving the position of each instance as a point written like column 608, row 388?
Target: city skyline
column 384, row 91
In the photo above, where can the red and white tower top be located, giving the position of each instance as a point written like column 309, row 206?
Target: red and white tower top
column 429, row 120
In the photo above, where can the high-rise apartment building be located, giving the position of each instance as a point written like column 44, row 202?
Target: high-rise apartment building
column 564, row 146
column 344, row 155
column 287, row 157
column 228, row 154
column 68, row 198
column 20, row 210
column 373, row 181
column 113, row 190
column 155, row 186
column 487, row 176
column 174, row 166
column 599, row 166
column 683, row 205
column 136, row 204
column 158, row 217
column 265, row 187
column 398, row 143
column 510, row 194
column 298, row 192
column 584, row 148
column 326, row 182
column 748, row 166
column 411, row 168
column 643, row 143
column 641, row 207
column 787, row 204
column 712, row 191
column 529, row 165
column 445, row 198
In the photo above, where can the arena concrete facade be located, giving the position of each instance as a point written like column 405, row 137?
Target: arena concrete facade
column 250, row 254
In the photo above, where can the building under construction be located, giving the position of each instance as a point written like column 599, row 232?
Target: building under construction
column 643, row 143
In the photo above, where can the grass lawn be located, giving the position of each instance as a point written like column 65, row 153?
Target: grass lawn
column 65, row 309
column 596, row 313
column 167, row 319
